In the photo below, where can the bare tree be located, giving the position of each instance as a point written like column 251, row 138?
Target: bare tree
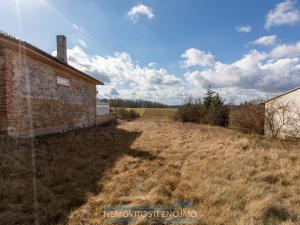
column 281, row 116
column 296, row 124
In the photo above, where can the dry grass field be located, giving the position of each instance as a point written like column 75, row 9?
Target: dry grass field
column 231, row 178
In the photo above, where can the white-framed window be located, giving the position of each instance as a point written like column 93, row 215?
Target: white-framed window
column 62, row 81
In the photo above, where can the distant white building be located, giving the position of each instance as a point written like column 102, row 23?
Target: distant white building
column 102, row 109
column 282, row 115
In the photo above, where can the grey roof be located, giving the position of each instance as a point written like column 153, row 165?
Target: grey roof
column 285, row 93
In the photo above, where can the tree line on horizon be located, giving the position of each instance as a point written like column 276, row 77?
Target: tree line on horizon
column 138, row 103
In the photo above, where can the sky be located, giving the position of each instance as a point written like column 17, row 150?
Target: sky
column 169, row 50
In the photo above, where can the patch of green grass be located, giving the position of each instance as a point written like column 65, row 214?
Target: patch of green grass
column 153, row 112
column 160, row 112
column 140, row 111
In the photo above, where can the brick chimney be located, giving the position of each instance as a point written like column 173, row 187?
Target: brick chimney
column 61, row 41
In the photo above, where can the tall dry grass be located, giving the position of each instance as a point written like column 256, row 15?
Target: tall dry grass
column 69, row 169
column 230, row 177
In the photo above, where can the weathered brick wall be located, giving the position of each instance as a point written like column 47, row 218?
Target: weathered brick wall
column 39, row 105
column 3, row 105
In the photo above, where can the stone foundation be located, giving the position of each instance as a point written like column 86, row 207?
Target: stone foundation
column 38, row 116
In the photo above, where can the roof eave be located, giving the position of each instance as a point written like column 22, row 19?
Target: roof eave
column 278, row 96
column 9, row 41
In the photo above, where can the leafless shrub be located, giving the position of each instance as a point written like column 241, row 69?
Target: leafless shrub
column 281, row 117
column 191, row 111
column 248, row 118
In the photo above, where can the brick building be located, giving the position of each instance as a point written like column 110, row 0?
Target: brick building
column 42, row 94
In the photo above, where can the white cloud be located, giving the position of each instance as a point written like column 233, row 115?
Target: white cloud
column 254, row 71
column 105, row 91
column 138, row 10
column 285, row 13
column 227, row 75
column 244, row 79
column 128, row 79
column 78, row 28
column 75, row 26
column 243, row 29
column 194, row 57
column 152, row 64
column 82, row 42
column 286, row 50
column 266, row 40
